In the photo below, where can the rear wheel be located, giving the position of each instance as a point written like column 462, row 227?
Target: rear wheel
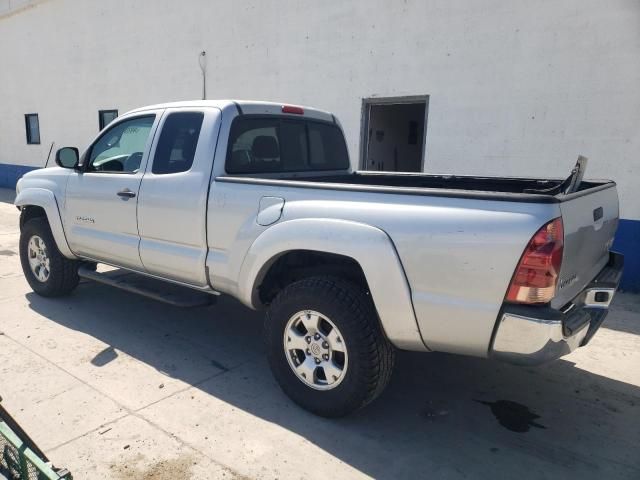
column 48, row 272
column 325, row 346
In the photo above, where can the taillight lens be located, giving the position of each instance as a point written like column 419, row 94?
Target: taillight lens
column 536, row 277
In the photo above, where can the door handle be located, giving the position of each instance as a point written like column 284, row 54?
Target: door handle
column 126, row 193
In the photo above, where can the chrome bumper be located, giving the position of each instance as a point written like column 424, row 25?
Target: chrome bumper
column 532, row 335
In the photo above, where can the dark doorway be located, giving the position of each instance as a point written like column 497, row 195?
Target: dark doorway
column 393, row 134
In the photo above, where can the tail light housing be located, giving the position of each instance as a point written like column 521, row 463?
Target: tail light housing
column 536, row 276
column 292, row 109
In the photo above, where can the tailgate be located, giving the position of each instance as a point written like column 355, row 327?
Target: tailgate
column 590, row 220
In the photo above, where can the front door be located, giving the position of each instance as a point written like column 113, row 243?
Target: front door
column 101, row 199
column 172, row 216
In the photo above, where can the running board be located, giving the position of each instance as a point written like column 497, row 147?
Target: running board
column 162, row 291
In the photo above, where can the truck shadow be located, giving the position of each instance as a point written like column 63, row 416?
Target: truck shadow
column 439, row 418
column 628, row 317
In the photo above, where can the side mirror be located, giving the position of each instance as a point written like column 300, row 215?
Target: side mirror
column 68, row 157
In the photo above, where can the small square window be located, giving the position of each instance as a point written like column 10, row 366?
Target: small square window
column 105, row 117
column 32, row 126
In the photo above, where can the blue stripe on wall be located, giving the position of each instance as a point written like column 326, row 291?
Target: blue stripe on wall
column 627, row 239
column 627, row 242
column 9, row 174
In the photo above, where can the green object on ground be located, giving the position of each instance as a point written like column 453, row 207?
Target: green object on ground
column 20, row 458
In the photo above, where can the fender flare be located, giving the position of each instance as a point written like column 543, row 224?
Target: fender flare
column 40, row 197
column 371, row 247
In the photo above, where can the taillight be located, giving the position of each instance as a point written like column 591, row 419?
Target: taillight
column 292, row 109
column 536, row 277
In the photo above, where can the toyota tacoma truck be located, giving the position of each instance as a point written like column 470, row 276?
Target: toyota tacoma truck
column 259, row 201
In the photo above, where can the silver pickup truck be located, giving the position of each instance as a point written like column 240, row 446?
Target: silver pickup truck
column 259, row 201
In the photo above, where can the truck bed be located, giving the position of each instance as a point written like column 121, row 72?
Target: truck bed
column 495, row 188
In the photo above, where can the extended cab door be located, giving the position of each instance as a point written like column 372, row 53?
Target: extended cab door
column 101, row 199
column 172, row 206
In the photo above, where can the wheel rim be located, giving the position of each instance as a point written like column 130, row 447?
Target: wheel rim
column 315, row 350
column 38, row 259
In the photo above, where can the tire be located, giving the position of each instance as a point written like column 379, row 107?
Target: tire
column 62, row 276
column 368, row 360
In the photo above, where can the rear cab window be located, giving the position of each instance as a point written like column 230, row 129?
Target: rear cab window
column 273, row 144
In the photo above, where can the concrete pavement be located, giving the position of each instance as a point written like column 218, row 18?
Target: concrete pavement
column 112, row 385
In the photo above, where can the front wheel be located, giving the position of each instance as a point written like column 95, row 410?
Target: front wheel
column 48, row 272
column 325, row 346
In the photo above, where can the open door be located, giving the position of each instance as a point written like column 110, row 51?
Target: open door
column 394, row 134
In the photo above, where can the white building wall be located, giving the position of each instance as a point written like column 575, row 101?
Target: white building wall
column 516, row 87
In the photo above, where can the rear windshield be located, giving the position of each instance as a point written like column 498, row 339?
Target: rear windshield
column 277, row 144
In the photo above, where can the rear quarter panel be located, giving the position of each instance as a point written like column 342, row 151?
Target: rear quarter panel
column 458, row 254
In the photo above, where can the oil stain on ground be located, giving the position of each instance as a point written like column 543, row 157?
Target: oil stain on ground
column 513, row 416
column 170, row 469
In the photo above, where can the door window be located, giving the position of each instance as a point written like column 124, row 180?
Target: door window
column 120, row 149
column 177, row 144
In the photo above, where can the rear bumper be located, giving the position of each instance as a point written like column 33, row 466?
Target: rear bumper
column 532, row 335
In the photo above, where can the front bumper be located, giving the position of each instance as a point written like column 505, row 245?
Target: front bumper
column 532, row 335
